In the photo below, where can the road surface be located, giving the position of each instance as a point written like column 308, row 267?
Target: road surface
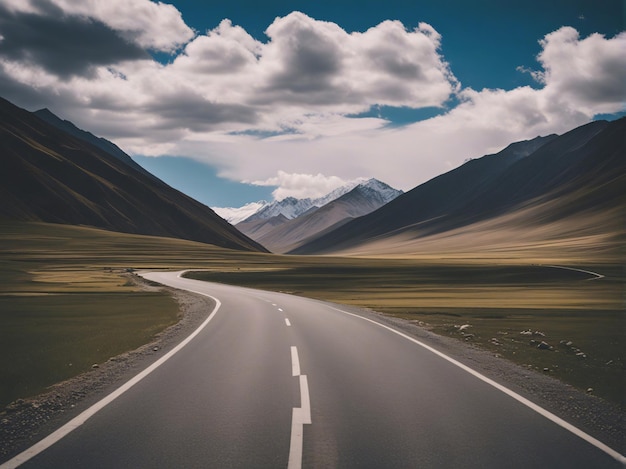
column 274, row 381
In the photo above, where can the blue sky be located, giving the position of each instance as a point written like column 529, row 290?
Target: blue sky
column 275, row 103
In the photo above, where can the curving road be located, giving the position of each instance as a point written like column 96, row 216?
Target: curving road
column 273, row 380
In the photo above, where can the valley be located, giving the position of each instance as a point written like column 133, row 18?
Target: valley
column 342, row 235
column 518, row 255
column 46, row 265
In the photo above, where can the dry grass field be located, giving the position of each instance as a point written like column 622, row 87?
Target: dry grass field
column 64, row 285
column 66, row 304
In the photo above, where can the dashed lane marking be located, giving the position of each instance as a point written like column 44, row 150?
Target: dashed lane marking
column 300, row 415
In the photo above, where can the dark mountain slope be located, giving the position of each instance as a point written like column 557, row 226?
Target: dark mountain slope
column 102, row 143
column 48, row 175
column 588, row 159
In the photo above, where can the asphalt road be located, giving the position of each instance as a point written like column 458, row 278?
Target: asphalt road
column 274, row 380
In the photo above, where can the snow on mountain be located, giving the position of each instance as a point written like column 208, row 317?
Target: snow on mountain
column 321, row 201
column 291, row 207
column 280, row 235
column 379, row 191
column 234, row 215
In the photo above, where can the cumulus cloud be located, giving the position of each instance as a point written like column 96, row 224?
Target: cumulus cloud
column 221, row 81
column 301, row 186
column 63, row 45
column 590, row 73
column 225, row 49
column 483, row 122
column 316, row 63
column 157, row 26
column 281, row 111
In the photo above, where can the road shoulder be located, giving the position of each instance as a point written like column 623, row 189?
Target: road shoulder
column 26, row 421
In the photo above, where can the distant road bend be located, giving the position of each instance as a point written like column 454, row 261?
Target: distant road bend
column 594, row 275
column 274, row 380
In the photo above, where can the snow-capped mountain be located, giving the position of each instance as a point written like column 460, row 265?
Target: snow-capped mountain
column 280, row 235
column 291, row 207
column 321, row 201
column 378, row 191
column 234, row 215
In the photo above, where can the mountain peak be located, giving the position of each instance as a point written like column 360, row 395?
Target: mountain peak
column 292, row 208
column 378, row 190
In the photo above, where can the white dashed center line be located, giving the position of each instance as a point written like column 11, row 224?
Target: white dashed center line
column 300, row 415
column 287, row 322
column 295, row 362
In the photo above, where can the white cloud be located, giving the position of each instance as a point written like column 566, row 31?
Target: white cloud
column 301, row 186
column 306, row 69
column 152, row 25
column 225, row 49
column 280, row 111
column 317, row 64
column 484, row 122
column 589, row 74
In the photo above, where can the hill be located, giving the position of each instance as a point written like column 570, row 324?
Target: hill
column 49, row 175
column 550, row 189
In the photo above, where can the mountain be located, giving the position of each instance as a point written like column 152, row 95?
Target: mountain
column 280, row 235
column 556, row 187
column 289, row 207
column 260, row 228
column 234, row 215
column 102, row 143
column 49, row 175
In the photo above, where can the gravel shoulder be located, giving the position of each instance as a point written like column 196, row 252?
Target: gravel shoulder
column 597, row 417
column 24, row 422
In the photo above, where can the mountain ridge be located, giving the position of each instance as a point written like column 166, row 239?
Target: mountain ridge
column 290, row 207
column 50, row 175
column 486, row 188
column 102, row 143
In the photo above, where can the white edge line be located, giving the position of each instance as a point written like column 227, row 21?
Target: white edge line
column 596, row 275
column 287, row 322
column 540, row 410
column 85, row 415
column 295, row 362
